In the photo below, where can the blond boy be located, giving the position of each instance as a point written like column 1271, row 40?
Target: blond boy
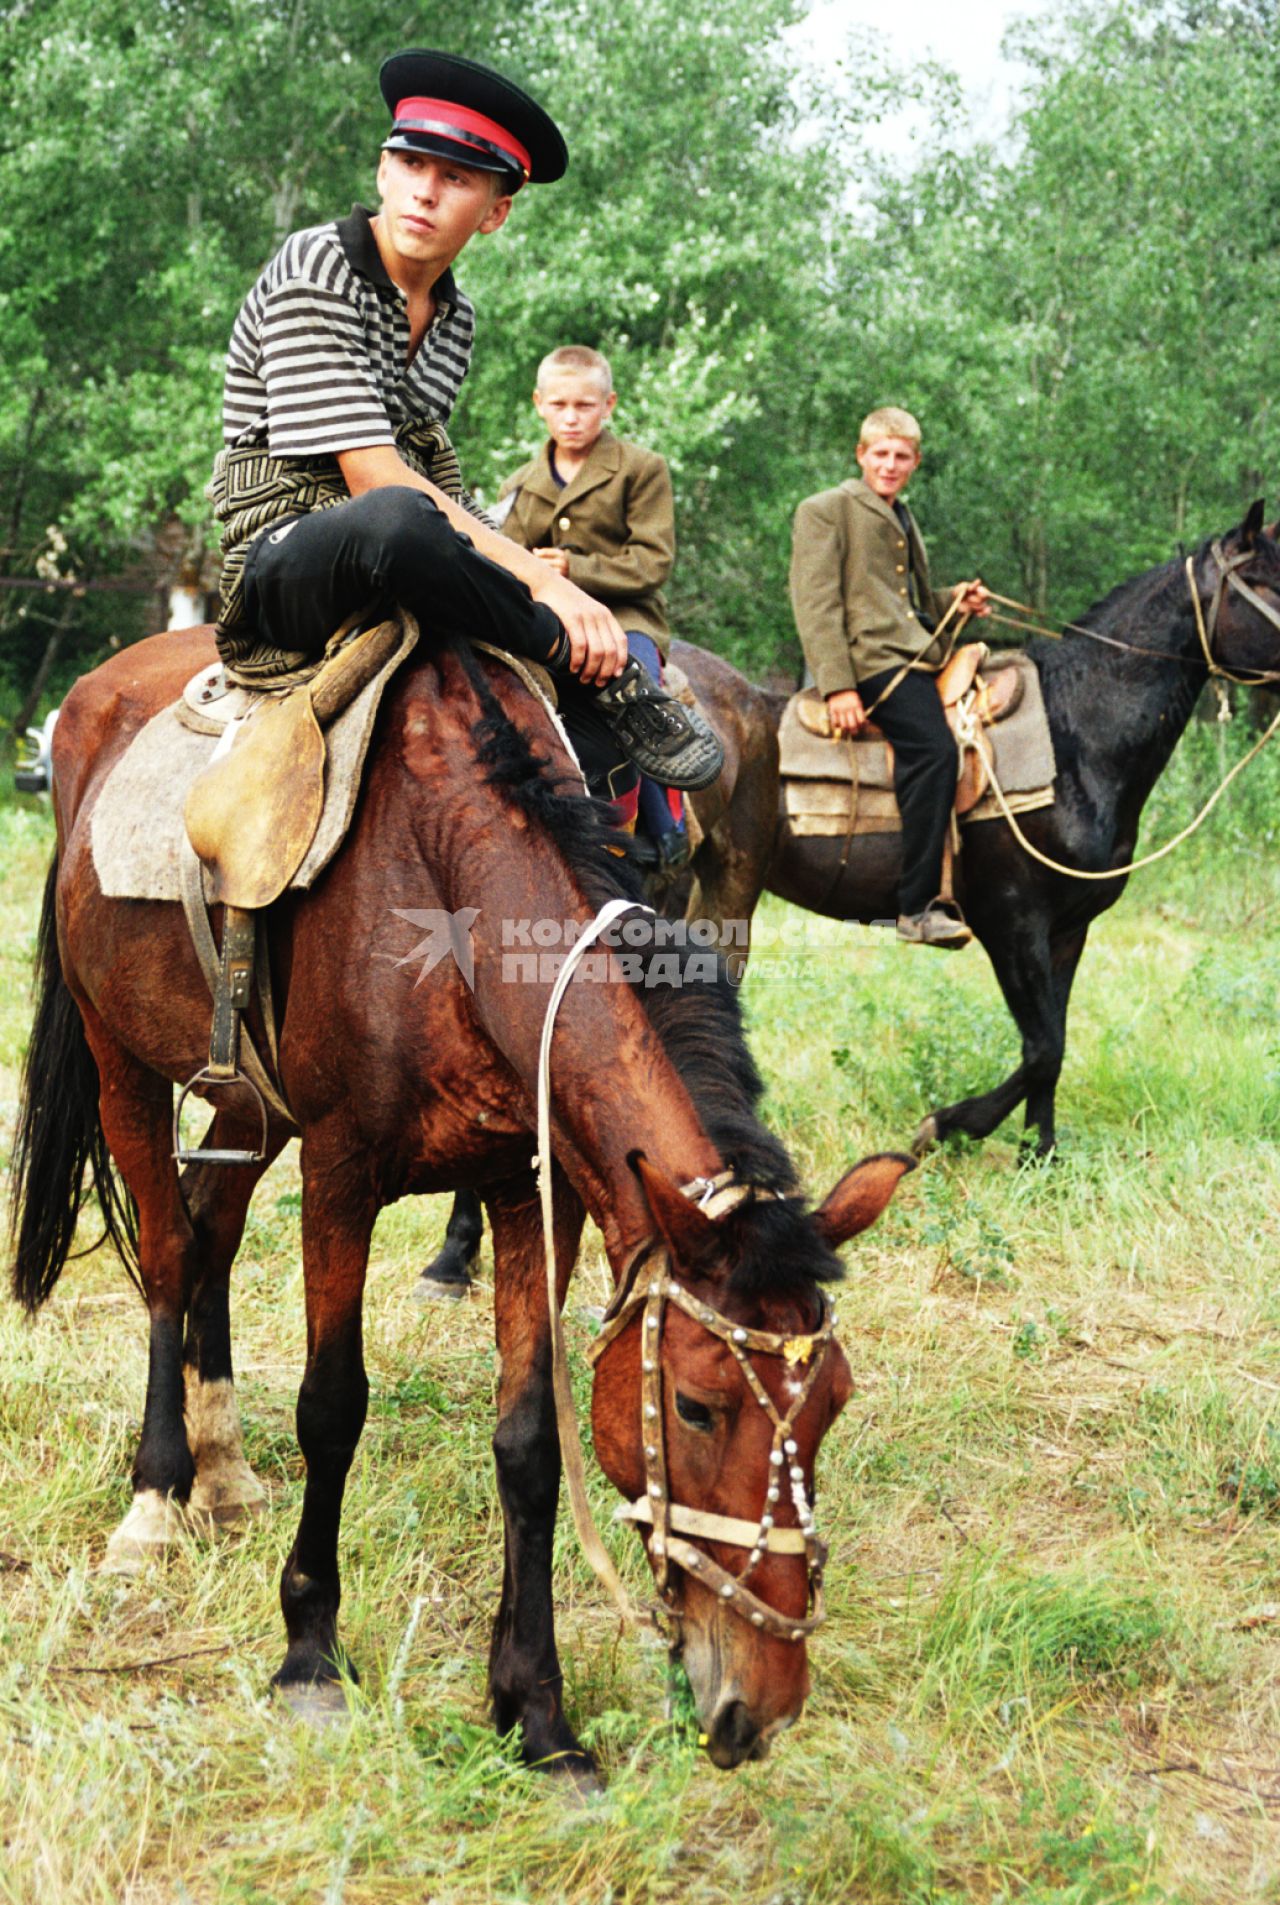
column 869, row 622
column 599, row 511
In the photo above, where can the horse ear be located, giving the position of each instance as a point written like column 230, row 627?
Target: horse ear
column 1251, row 528
column 861, row 1195
column 689, row 1234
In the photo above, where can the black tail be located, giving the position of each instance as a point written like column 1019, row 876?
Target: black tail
column 59, row 1133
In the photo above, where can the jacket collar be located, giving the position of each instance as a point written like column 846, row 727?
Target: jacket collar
column 360, row 248
column 863, row 493
column 604, row 458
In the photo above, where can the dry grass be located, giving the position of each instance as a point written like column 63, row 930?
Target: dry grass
column 1049, row 1674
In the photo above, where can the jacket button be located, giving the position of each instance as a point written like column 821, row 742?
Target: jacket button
column 564, row 522
column 901, row 591
column 901, row 569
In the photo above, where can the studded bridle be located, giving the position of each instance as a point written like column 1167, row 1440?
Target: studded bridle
column 652, row 1289
column 647, row 1281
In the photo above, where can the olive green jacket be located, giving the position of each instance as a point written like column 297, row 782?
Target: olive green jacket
column 616, row 520
column 850, row 588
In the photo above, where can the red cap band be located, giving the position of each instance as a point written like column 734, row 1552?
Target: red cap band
column 442, row 116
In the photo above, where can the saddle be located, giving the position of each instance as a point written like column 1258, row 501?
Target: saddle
column 972, row 700
column 834, row 786
column 251, row 817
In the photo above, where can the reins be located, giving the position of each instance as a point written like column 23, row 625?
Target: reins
column 647, row 1283
column 967, row 731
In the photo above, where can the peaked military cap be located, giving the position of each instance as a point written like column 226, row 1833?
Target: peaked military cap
column 458, row 109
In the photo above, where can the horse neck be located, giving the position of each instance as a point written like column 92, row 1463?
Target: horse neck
column 614, row 1089
column 1135, row 705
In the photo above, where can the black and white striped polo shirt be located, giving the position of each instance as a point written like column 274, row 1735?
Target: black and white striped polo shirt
column 317, row 360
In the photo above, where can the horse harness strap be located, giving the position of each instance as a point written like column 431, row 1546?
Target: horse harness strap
column 231, row 976
column 671, row 1521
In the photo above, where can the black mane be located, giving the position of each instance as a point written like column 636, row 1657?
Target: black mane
column 699, row 1023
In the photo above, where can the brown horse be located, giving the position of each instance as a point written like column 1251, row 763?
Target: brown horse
column 399, row 1088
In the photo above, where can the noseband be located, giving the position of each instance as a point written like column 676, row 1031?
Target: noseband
column 653, row 1288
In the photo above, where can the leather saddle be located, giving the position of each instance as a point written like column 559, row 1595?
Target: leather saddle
column 253, row 813
column 974, row 696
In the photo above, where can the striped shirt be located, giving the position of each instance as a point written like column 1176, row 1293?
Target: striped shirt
column 318, row 360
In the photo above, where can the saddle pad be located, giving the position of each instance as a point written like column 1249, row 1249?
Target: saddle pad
column 138, row 823
column 1021, row 742
column 820, row 809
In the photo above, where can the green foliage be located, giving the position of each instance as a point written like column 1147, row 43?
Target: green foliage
column 1081, row 319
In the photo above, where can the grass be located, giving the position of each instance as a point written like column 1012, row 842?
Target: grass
column 1049, row 1675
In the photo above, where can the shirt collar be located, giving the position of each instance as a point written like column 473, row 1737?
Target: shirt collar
column 360, row 247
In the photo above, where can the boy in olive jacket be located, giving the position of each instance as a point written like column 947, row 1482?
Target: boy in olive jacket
column 866, row 612
column 601, row 513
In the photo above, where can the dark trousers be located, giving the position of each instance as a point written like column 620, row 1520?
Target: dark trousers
column 394, row 545
column 925, row 766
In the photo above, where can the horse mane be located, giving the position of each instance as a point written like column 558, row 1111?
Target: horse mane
column 699, row 1023
column 1138, row 593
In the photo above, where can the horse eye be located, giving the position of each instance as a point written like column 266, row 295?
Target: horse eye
column 696, row 1414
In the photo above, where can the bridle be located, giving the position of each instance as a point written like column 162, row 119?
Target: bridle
column 652, row 1288
column 1228, row 578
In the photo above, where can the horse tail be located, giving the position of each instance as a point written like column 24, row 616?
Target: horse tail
column 59, row 1134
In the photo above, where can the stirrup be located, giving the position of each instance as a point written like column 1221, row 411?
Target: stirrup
column 230, row 1000
column 209, row 1075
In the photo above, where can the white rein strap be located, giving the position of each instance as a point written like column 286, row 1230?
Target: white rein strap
column 566, row 1417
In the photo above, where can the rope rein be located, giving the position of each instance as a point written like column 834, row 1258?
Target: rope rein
column 968, row 728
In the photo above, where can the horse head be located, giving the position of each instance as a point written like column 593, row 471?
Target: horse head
column 717, row 1375
column 1236, row 580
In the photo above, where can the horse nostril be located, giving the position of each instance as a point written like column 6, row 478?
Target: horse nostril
column 734, row 1737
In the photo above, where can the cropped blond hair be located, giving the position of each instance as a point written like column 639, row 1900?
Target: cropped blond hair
column 578, row 357
column 889, row 422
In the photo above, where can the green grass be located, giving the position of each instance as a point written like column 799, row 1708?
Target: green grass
column 1053, row 1504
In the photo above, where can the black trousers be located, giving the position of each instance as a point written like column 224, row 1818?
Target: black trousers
column 925, row 768
column 394, row 545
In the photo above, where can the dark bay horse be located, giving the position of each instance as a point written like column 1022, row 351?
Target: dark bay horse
column 1117, row 705
column 721, row 884
column 400, row 1088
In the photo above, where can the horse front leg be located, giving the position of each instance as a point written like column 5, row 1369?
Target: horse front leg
column 338, row 1211
column 1043, row 1061
column 524, row 1667
column 1035, row 977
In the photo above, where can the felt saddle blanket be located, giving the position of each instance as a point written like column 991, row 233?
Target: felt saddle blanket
column 993, row 704
column 264, row 783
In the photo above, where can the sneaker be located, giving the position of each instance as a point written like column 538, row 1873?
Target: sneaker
column 670, row 743
column 938, row 925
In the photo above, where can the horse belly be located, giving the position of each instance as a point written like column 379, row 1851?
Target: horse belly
column 847, row 880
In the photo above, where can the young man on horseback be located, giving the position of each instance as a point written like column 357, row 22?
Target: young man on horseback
column 875, row 633
column 338, row 489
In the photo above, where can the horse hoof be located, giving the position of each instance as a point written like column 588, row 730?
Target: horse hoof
column 221, row 1504
column 320, row 1704
column 926, row 1136
column 434, row 1290
column 153, row 1525
column 578, row 1785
